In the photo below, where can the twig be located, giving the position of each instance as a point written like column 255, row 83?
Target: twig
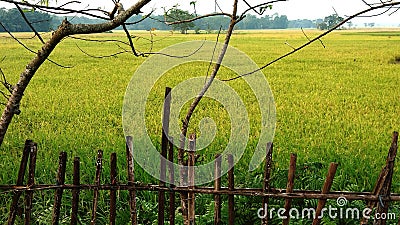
column 322, row 43
column 213, row 53
column 71, row 2
column 254, row 8
column 260, row 5
column 60, row 10
column 29, row 23
column 145, row 17
column 30, row 50
column 5, row 83
column 217, row 5
column 381, row 13
column 144, row 54
column 95, row 40
column 130, row 41
column 196, row 18
column 101, row 57
column 314, row 39
column 287, row 43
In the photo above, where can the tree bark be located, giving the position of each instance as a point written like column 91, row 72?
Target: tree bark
column 64, row 30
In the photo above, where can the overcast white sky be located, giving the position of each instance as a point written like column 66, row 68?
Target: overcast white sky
column 294, row 9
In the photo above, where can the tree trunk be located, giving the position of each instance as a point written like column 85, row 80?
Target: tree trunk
column 64, row 30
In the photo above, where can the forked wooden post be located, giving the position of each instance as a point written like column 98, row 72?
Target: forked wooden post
column 75, row 192
column 20, row 181
column 99, row 166
column 383, row 177
column 266, row 183
column 163, row 157
column 31, row 182
column 289, row 187
column 113, row 192
column 231, row 187
column 59, row 192
column 217, row 187
column 191, row 163
column 384, row 193
column 171, row 181
column 131, row 179
column 325, row 189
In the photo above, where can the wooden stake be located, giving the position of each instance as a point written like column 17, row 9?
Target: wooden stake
column 59, row 192
column 289, row 187
column 20, row 181
column 99, row 164
column 75, row 192
column 325, row 190
column 231, row 187
column 266, row 183
column 217, row 187
column 113, row 193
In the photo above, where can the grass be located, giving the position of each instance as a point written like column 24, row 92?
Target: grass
column 334, row 104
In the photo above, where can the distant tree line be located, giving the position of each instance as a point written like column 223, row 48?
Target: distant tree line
column 43, row 22
column 13, row 21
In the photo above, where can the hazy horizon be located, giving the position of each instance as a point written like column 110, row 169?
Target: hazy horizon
column 293, row 9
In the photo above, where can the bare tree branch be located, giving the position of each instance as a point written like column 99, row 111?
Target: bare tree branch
column 30, row 50
column 213, row 53
column 68, row 3
column 322, row 43
column 217, row 5
column 95, row 40
column 145, row 17
column 5, row 83
column 130, row 41
column 28, row 22
column 64, row 30
column 59, row 10
column 144, row 54
column 259, row 5
column 104, row 56
column 381, row 13
column 315, row 39
column 196, row 18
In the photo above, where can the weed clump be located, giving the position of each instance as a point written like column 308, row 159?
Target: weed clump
column 396, row 60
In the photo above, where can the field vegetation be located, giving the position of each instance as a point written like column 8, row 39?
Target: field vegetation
column 339, row 104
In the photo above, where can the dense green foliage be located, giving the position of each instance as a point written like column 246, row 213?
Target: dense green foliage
column 330, row 21
column 176, row 14
column 13, row 21
column 44, row 22
column 338, row 104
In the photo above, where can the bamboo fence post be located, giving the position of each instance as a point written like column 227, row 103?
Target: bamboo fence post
column 325, row 189
column 231, row 187
column 99, row 164
column 266, row 183
column 59, row 192
column 381, row 179
column 289, row 187
column 382, row 209
column 131, row 179
column 20, row 180
column 113, row 192
column 217, row 187
column 31, row 183
column 163, row 157
column 191, row 163
column 171, row 181
column 75, row 192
